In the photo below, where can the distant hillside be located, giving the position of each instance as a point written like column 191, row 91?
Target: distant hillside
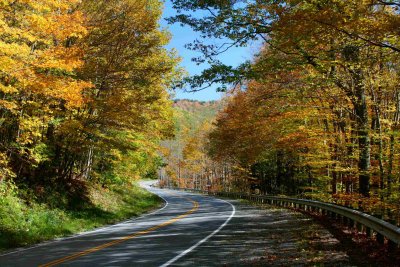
column 190, row 114
column 193, row 120
column 191, row 105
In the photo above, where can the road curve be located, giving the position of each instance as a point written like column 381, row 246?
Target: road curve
column 160, row 238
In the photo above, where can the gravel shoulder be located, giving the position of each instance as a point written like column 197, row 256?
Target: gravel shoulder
column 269, row 236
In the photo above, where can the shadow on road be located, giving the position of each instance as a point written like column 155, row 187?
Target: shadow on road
column 271, row 237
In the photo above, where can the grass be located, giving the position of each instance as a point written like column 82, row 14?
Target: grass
column 23, row 223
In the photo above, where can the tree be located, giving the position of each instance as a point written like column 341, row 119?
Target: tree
column 130, row 71
column 83, row 91
column 339, row 41
column 38, row 66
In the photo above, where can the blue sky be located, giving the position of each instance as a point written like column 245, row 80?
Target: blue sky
column 184, row 35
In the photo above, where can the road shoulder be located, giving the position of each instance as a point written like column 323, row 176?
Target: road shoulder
column 269, row 237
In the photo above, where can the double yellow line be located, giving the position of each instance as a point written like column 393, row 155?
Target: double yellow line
column 123, row 239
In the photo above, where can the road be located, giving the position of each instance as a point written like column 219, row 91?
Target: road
column 161, row 238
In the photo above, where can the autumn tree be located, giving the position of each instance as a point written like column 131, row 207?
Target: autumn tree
column 84, row 92
column 187, row 163
column 38, row 77
column 128, row 107
column 339, row 42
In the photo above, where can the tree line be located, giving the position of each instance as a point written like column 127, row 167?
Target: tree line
column 316, row 113
column 83, row 92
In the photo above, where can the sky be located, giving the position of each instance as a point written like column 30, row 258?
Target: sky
column 183, row 35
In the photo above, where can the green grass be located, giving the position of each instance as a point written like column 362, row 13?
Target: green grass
column 23, row 224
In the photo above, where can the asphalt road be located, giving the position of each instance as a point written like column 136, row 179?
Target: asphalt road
column 161, row 238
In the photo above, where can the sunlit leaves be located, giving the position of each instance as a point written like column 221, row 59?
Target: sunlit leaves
column 83, row 87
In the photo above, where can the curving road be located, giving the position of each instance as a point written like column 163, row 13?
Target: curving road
column 160, row 238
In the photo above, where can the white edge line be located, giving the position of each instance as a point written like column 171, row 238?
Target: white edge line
column 88, row 232
column 183, row 253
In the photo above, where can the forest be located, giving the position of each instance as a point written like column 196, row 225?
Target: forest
column 84, row 101
column 86, row 107
column 185, row 157
column 315, row 114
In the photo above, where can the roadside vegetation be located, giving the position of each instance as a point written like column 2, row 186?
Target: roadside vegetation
column 84, row 103
column 315, row 114
column 26, row 220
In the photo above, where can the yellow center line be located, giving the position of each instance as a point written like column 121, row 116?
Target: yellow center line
column 125, row 238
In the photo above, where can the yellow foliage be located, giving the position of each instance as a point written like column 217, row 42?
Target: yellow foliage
column 32, row 41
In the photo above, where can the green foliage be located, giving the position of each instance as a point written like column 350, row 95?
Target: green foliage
column 23, row 224
column 189, row 115
column 41, row 153
column 84, row 103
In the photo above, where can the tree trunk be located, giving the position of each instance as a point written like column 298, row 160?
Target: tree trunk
column 279, row 169
column 390, row 164
column 88, row 164
column 364, row 163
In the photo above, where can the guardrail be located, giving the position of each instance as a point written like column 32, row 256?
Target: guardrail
column 352, row 218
